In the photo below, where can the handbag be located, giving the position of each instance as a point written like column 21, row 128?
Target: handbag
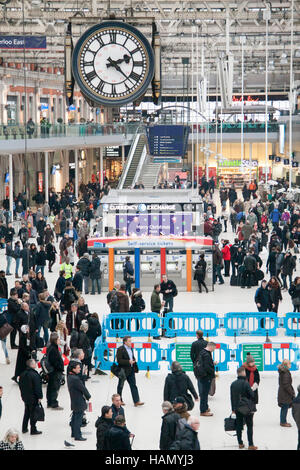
column 5, row 330
column 189, row 401
column 212, row 389
column 229, row 424
column 39, row 413
column 116, row 370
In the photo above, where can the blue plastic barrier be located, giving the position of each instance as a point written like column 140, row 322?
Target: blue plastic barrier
column 291, row 323
column 222, row 355
column 186, row 324
column 3, row 305
column 250, row 323
column 148, row 355
column 132, row 324
column 273, row 355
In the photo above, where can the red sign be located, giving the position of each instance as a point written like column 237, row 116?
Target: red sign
column 40, row 181
column 248, row 100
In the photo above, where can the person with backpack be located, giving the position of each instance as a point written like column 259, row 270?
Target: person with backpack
column 204, row 370
column 243, row 407
column 179, row 384
column 200, row 272
column 112, row 299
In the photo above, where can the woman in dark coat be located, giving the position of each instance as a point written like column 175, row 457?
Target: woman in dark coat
column 178, row 384
column 200, row 272
column 51, row 252
column 32, row 256
column 264, row 234
column 24, row 352
column 275, row 293
column 286, row 393
column 40, row 283
column 252, row 375
column 60, row 285
column 103, row 424
column 49, row 235
column 82, row 312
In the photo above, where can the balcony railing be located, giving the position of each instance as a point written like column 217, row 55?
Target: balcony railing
column 14, row 131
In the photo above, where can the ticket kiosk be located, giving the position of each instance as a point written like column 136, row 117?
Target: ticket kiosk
column 120, row 257
column 149, row 268
column 176, row 267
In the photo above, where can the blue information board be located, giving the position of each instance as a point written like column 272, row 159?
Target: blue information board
column 167, row 140
column 17, row 42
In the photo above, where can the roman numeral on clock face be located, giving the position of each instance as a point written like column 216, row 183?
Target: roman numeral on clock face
column 100, row 86
column 135, row 76
column 138, row 63
column 89, row 63
column 113, row 37
column 113, row 89
column 137, row 49
column 91, row 75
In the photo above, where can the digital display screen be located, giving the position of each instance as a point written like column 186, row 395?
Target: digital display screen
column 154, row 224
column 168, row 141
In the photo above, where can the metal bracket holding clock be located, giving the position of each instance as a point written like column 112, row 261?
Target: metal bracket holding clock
column 113, row 64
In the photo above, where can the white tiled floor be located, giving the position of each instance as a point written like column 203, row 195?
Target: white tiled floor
column 145, row 421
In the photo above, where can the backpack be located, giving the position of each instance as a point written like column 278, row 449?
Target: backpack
column 45, row 365
column 199, row 371
column 114, row 303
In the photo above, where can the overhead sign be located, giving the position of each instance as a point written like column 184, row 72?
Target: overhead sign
column 183, row 356
column 168, row 140
column 150, row 242
column 255, row 350
column 237, row 163
column 155, row 224
column 17, row 42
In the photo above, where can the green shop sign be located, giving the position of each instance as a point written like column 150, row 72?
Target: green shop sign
column 229, row 163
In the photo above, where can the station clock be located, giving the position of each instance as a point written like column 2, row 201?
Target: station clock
column 113, row 64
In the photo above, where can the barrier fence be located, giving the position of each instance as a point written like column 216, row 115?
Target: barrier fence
column 150, row 356
column 185, row 324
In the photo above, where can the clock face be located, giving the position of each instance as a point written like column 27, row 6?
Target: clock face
column 113, row 64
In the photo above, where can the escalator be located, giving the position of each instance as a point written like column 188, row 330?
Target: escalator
column 137, row 152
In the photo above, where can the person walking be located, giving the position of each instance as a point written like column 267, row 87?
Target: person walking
column 84, row 266
column 168, row 427
column 263, row 300
column 204, row 371
column 240, row 391
column 128, row 365
column 30, row 384
column 103, row 424
column 56, row 364
column 275, row 293
column 217, row 264
column 294, row 292
column 286, row 393
column 296, row 413
column 200, row 272
column 287, row 268
column 78, row 396
column 179, row 384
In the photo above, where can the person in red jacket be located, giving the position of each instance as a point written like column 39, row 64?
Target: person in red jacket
column 226, row 256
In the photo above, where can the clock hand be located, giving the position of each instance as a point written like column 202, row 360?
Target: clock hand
column 114, row 64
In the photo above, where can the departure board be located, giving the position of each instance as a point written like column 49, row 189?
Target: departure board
column 167, row 141
column 178, row 224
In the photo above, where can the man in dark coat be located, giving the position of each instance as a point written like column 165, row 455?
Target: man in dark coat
column 25, row 259
column 169, row 291
column 24, row 351
column 31, row 391
column 116, row 406
column 78, row 395
column 129, row 368
column 84, row 266
column 57, row 364
column 263, row 300
column 13, row 307
column 77, row 280
column 198, row 345
column 240, row 388
column 168, row 427
column 103, row 424
column 128, row 273
column 250, row 268
column 187, row 438
column 207, row 375
column 117, row 438
column 95, row 273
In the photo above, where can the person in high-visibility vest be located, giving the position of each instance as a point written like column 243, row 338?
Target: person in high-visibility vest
column 68, row 268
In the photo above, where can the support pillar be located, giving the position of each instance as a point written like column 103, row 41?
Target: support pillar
column 76, row 174
column 11, row 185
column 46, row 176
column 101, row 167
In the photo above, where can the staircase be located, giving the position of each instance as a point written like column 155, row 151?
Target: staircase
column 149, row 173
column 133, row 165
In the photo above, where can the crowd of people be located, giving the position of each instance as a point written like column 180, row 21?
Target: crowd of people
column 266, row 236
